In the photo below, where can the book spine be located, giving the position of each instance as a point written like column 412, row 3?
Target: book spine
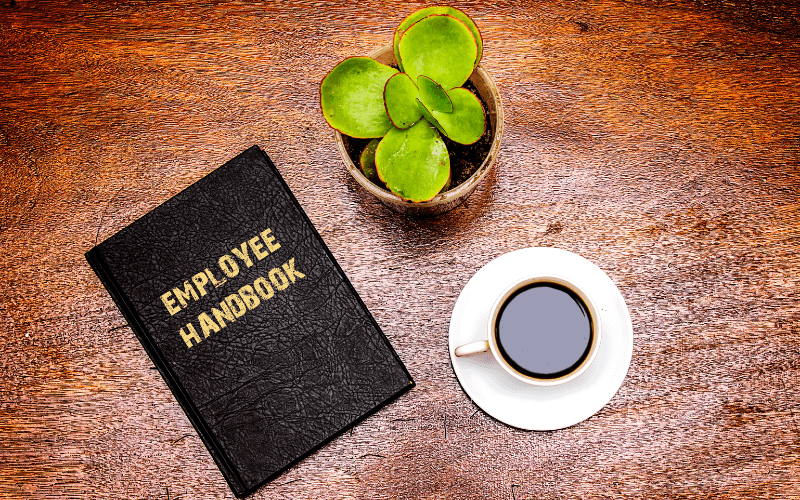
column 95, row 259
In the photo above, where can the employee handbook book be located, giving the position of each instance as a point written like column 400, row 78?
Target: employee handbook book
column 250, row 320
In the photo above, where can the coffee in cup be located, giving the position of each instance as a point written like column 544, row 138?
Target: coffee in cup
column 543, row 330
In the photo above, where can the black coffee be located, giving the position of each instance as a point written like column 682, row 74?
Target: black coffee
column 544, row 330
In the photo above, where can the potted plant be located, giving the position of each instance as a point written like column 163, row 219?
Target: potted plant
column 418, row 123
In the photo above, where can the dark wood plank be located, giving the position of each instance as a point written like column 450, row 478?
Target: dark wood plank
column 660, row 140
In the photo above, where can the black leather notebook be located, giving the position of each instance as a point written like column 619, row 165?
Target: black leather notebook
column 253, row 325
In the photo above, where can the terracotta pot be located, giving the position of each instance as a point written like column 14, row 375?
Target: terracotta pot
column 456, row 194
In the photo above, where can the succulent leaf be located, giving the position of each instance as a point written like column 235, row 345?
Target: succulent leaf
column 400, row 96
column 438, row 10
column 367, row 162
column 440, row 47
column 467, row 122
column 433, row 96
column 351, row 96
column 414, row 163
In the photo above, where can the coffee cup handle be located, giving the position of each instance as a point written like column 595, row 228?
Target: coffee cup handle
column 473, row 348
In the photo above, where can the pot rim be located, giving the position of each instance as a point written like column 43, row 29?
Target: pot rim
column 455, row 192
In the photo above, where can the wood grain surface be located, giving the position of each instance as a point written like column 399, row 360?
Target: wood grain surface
column 659, row 139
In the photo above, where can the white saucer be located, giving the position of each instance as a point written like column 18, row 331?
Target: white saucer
column 512, row 401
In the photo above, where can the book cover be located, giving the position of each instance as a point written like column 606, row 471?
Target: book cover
column 250, row 320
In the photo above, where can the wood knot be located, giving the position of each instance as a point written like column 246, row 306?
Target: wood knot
column 582, row 26
column 554, row 228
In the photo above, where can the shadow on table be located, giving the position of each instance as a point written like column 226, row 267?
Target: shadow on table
column 421, row 229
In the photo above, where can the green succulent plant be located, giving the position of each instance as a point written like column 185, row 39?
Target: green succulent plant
column 407, row 111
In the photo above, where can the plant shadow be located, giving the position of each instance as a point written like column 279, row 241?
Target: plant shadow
column 421, row 235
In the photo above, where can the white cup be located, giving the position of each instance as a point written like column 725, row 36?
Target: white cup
column 490, row 344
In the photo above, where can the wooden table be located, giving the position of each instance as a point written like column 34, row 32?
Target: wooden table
column 660, row 140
